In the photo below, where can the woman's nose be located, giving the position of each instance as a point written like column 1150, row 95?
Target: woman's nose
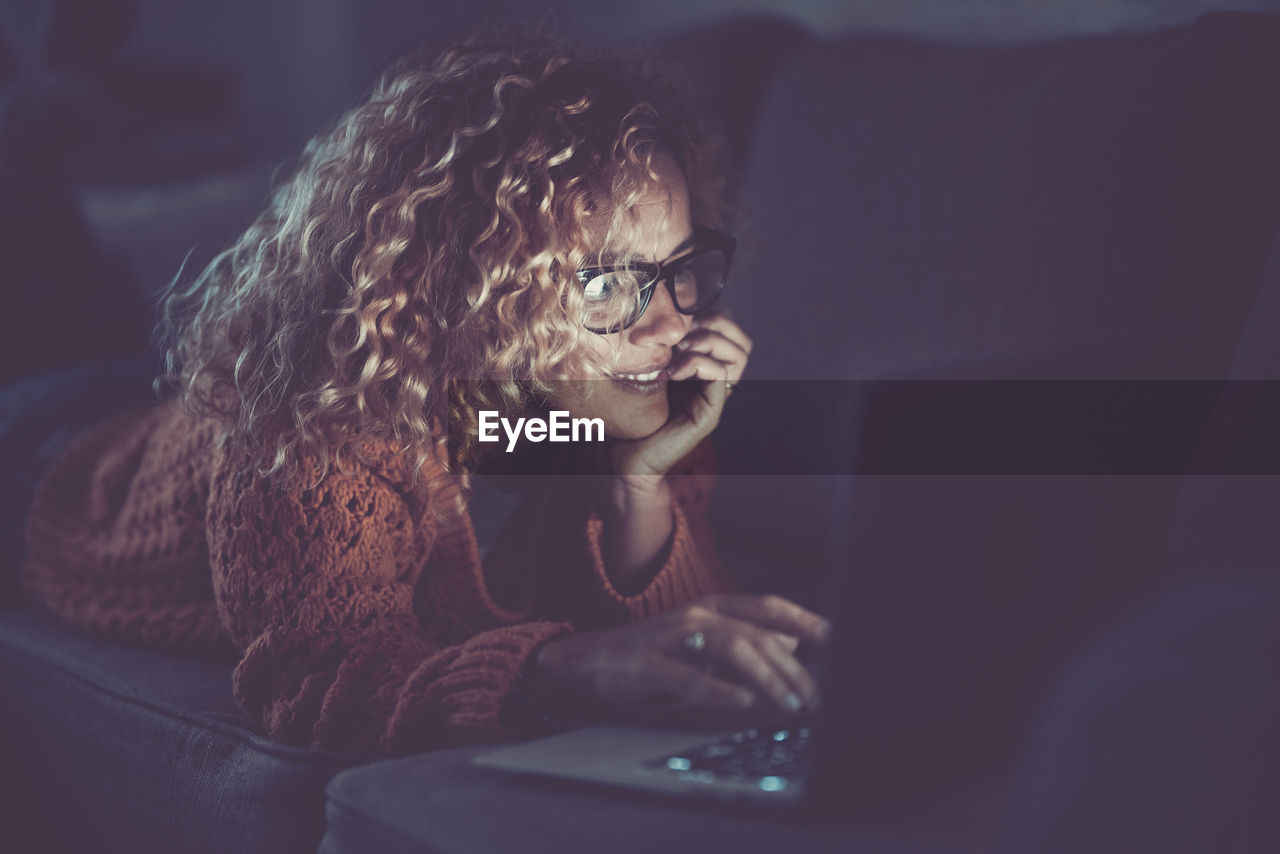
column 661, row 322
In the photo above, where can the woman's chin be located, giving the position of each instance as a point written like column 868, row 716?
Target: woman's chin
column 638, row 422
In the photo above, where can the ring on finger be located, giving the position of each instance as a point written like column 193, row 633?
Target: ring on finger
column 695, row 642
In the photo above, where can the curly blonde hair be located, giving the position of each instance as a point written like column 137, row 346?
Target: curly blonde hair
column 414, row 269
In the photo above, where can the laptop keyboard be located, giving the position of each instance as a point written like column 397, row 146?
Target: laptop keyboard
column 772, row 758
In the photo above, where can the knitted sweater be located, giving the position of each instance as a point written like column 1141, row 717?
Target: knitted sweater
column 360, row 622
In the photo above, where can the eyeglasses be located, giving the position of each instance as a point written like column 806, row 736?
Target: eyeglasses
column 617, row 295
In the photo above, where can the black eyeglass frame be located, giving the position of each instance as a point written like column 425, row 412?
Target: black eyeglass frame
column 705, row 239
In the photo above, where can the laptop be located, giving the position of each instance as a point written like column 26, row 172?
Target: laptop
column 886, row 748
column 860, row 748
column 907, row 682
column 762, row 757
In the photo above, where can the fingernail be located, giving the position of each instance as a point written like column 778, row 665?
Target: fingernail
column 793, row 703
column 683, row 344
column 826, row 630
column 745, row 698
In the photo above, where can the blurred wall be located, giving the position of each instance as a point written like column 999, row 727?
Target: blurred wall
column 300, row 61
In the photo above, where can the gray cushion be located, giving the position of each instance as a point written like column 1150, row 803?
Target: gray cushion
column 1225, row 522
column 1163, row 737
column 125, row 749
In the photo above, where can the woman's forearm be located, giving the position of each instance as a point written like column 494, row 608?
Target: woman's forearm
column 638, row 528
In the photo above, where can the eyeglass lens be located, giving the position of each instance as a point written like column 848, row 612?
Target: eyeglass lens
column 616, row 299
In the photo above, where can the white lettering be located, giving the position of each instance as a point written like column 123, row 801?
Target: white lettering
column 488, row 425
column 559, row 425
column 587, row 425
column 560, row 428
column 512, row 435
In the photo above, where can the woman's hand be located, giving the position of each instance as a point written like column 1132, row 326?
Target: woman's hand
column 719, row 652
column 638, row 505
column 714, row 354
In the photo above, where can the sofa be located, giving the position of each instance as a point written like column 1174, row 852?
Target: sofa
column 934, row 233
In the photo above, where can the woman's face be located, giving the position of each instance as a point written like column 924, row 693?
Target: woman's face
column 631, row 396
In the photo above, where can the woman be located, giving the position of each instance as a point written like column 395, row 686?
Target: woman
column 503, row 230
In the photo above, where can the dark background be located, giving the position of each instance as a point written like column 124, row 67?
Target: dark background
column 218, row 94
column 298, row 61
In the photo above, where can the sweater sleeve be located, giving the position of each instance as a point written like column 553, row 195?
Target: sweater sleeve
column 316, row 587
column 691, row 568
column 115, row 541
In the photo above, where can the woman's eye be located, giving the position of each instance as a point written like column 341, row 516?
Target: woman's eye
column 598, row 286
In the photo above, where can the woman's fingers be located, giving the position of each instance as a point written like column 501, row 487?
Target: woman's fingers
column 750, row 663
column 691, row 364
column 790, row 642
column 720, row 652
column 721, row 324
column 703, row 408
column 670, row 676
column 715, row 360
column 765, row 660
column 718, row 347
column 777, row 614
column 695, row 412
column 780, row 651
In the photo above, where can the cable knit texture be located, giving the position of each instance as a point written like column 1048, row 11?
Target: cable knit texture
column 361, row 624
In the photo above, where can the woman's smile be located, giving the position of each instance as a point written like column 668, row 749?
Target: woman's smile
column 649, row 381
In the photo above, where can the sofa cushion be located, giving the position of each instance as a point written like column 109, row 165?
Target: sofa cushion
column 1093, row 209
column 920, row 207
column 114, row 748
column 1224, row 523
column 1162, row 737
column 440, row 803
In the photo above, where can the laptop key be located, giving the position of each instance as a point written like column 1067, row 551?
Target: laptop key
column 768, row 757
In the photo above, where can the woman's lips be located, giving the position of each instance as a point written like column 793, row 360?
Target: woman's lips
column 645, row 382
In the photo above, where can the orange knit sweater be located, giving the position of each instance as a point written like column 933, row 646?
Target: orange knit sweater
column 361, row 624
